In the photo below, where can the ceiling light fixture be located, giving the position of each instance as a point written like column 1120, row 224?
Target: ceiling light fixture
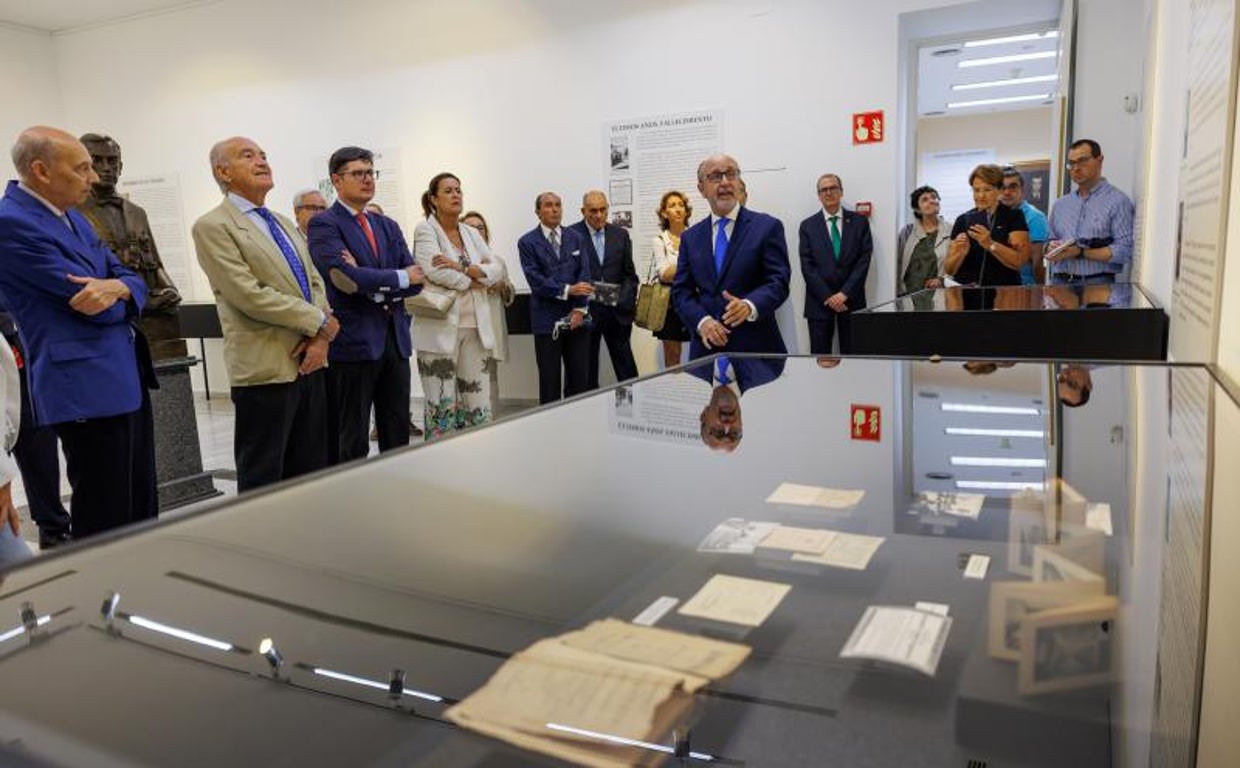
column 971, row 408
column 626, row 741
column 991, row 60
column 1050, row 35
column 998, row 485
column 1005, row 100
column 180, row 634
column 978, row 432
column 1008, row 81
column 992, row 461
column 373, row 684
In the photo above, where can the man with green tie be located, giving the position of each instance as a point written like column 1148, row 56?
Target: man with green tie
column 835, row 248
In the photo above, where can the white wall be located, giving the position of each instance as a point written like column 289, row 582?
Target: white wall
column 1015, row 135
column 29, row 85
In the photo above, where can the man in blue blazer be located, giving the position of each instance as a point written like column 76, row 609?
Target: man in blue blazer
column 553, row 259
column 75, row 305
column 732, row 273
column 369, row 271
column 609, row 252
column 835, row 247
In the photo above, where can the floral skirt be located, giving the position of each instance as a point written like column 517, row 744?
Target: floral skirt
column 457, row 387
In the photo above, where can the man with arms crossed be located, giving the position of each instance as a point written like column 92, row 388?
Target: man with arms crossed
column 276, row 321
column 75, row 305
column 835, row 248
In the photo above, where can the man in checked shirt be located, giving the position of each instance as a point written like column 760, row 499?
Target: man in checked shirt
column 1097, row 216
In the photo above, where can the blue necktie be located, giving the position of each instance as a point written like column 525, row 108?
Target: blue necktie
column 721, row 246
column 598, row 245
column 721, row 370
column 286, row 248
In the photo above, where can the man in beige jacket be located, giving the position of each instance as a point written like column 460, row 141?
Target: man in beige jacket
column 276, row 321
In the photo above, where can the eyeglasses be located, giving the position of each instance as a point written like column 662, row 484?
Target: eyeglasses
column 312, row 207
column 714, row 177
column 1079, row 161
column 830, row 190
column 368, row 173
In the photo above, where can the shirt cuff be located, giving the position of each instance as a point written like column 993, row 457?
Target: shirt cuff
column 753, row 311
column 564, row 294
column 402, row 278
column 700, row 322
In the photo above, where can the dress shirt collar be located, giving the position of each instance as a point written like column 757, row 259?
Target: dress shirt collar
column 243, row 205
column 352, row 211
column 59, row 213
column 1101, row 185
column 730, row 216
column 839, row 212
column 559, row 232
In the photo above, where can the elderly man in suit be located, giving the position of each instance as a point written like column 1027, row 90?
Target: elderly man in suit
column 732, row 272
column 369, row 270
column 276, row 321
column 75, row 305
column 609, row 252
column 554, row 262
column 835, row 248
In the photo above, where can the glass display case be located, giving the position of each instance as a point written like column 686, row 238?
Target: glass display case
column 770, row 562
column 1116, row 321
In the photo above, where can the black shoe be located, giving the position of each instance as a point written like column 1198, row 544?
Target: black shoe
column 53, row 539
column 414, row 429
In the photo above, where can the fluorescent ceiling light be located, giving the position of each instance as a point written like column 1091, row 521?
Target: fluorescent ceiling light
column 1051, row 35
column 1009, row 81
column 998, row 485
column 622, row 740
column 17, row 631
column 970, row 408
column 988, row 61
column 180, row 634
column 1005, row 100
column 977, row 432
column 373, row 684
column 992, row 461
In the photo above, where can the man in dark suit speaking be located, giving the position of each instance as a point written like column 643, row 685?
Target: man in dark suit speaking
column 732, row 273
column 75, row 304
column 609, row 252
column 835, row 249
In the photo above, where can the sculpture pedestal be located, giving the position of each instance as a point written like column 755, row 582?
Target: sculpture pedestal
column 178, row 455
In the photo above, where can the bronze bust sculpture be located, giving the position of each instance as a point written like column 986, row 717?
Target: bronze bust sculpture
column 124, row 229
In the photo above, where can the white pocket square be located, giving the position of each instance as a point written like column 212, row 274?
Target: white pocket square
column 577, row 252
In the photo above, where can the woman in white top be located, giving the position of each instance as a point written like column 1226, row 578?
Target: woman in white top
column 674, row 212
column 12, row 548
column 456, row 353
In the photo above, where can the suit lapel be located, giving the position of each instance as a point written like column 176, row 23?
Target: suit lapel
column 355, row 238
column 74, row 244
column 263, row 243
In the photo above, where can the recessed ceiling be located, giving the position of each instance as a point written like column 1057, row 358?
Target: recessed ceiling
column 58, row 16
column 1018, row 68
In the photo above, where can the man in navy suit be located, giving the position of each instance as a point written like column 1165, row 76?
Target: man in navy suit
column 554, row 262
column 835, row 248
column 609, row 252
column 75, row 305
column 732, row 273
column 369, row 270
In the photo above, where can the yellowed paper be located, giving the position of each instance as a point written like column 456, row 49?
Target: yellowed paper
column 815, row 496
column 736, row 600
column 811, row 540
column 698, row 656
column 847, row 550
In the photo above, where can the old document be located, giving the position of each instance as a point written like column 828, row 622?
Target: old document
column 897, row 635
column 815, row 496
column 813, row 541
column 846, row 550
column 682, row 652
column 736, row 600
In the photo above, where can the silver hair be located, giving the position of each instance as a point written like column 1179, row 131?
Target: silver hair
column 29, row 147
column 219, row 156
column 598, row 192
column 307, row 191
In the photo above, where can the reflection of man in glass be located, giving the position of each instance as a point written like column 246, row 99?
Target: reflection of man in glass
column 1073, row 384
column 730, row 377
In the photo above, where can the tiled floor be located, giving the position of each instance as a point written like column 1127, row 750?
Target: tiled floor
column 215, row 435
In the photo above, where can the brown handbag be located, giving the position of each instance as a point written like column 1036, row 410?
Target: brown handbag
column 653, row 298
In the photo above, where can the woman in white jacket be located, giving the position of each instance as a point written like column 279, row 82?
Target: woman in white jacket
column 456, row 352
column 12, row 548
